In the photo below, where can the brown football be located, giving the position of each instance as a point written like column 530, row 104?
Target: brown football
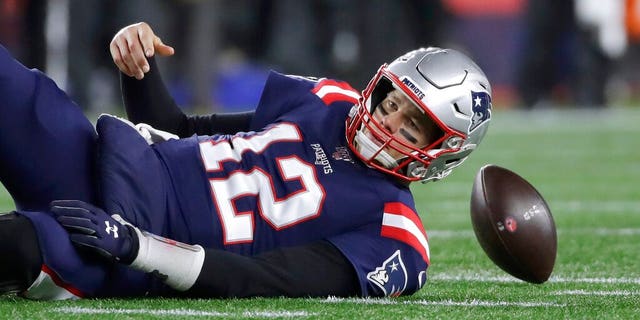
column 513, row 224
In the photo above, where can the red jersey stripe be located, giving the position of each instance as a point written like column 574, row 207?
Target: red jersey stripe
column 403, row 224
column 60, row 283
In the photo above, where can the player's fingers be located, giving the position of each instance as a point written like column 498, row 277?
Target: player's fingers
column 89, row 242
column 123, row 52
column 119, row 50
column 70, row 203
column 77, row 225
column 77, row 204
column 92, row 243
column 128, row 61
column 147, row 39
column 118, row 60
column 135, row 57
column 83, row 239
column 78, row 216
column 161, row 48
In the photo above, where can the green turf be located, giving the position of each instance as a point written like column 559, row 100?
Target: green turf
column 587, row 165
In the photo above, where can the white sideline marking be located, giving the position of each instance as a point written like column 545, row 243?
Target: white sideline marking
column 469, row 303
column 597, row 293
column 185, row 312
column 449, row 234
column 566, row 206
column 609, row 206
column 483, row 278
column 480, row 303
column 608, row 232
column 597, row 280
column 437, row 234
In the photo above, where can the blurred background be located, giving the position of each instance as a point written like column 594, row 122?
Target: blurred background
column 538, row 54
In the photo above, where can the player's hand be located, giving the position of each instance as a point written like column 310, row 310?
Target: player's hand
column 131, row 47
column 90, row 227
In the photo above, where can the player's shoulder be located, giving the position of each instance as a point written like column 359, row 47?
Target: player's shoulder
column 303, row 78
column 332, row 91
column 392, row 191
column 277, row 79
column 327, row 89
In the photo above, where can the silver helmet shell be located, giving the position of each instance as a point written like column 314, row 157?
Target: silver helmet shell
column 446, row 86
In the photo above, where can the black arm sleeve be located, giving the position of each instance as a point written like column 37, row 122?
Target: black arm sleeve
column 315, row 270
column 149, row 101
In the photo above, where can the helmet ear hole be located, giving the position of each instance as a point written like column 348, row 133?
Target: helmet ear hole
column 457, row 108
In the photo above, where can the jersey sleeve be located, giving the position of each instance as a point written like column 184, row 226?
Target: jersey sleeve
column 281, row 94
column 390, row 259
column 284, row 94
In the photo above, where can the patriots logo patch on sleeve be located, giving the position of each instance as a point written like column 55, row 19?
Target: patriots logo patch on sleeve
column 481, row 107
column 391, row 277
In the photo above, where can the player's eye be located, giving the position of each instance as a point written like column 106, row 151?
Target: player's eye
column 392, row 106
column 382, row 109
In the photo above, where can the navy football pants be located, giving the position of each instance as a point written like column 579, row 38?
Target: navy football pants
column 46, row 143
column 47, row 150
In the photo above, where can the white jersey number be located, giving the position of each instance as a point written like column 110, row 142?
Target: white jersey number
column 301, row 205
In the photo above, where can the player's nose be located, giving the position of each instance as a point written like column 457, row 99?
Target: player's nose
column 392, row 121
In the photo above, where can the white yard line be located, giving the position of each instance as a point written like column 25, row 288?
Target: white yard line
column 375, row 301
column 609, row 206
column 480, row 303
column 185, row 312
column 441, row 234
column 604, row 231
column 597, row 280
column 624, row 293
column 557, row 279
column 466, row 303
column 566, row 206
column 449, row 234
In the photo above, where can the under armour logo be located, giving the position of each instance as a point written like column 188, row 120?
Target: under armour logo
column 110, row 228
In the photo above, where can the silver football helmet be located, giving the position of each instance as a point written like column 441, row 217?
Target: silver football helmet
column 446, row 86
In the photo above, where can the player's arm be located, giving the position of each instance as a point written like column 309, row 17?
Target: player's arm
column 314, row 270
column 148, row 101
column 145, row 94
column 317, row 269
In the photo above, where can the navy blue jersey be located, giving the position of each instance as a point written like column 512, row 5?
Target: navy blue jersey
column 291, row 180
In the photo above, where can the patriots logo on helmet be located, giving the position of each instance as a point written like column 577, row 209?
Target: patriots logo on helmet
column 481, row 107
column 391, row 277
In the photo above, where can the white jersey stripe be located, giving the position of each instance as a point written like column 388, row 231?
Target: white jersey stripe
column 329, row 89
column 402, row 222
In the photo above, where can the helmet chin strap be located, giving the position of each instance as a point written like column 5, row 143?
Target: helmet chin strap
column 368, row 149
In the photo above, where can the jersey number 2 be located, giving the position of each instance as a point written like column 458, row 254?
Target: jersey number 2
column 278, row 212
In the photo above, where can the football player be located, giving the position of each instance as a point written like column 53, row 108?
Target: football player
column 306, row 196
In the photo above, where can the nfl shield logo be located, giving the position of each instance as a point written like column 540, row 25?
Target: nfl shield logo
column 481, row 107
